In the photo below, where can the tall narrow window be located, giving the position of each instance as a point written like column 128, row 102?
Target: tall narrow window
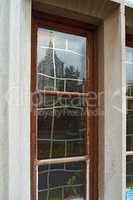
column 62, row 126
column 129, row 67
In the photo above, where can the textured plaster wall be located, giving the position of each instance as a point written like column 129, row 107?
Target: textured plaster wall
column 19, row 99
column 15, row 37
column 115, row 106
column 112, row 106
column 4, row 77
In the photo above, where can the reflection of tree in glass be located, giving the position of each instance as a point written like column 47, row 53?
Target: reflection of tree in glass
column 72, row 191
column 130, row 187
column 71, row 72
column 71, row 182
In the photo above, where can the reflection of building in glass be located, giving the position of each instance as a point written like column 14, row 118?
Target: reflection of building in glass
column 54, row 75
column 47, row 65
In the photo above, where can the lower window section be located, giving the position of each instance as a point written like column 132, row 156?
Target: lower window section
column 61, row 127
column 130, row 172
column 62, row 181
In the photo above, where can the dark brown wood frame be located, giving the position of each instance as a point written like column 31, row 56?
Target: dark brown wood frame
column 82, row 29
column 129, row 40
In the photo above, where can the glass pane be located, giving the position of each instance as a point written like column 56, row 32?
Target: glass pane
column 129, row 1
column 62, row 181
column 130, row 90
column 61, row 61
column 129, row 65
column 61, row 127
column 130, row 142
column 42, row 195
column 130, row 126
column 130, row 105
column 45, row 83
column 129, row 171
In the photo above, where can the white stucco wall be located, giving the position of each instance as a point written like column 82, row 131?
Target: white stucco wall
column 19, row 99
column 4, row 74
column 112, row 106
column 115, row 106
column 15, row 48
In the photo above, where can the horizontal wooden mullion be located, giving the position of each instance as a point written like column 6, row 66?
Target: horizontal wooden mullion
column 61, row 160
column 129, row 153
column 60, row 93
column 129, row 98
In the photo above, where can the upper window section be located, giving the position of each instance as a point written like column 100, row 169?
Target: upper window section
column 61, row 61
column 129, row 63
column 129, row 67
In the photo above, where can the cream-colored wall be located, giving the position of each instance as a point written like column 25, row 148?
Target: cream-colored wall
column 4, row 74
column 15, row 48
column 19, row 68
column 115, row 106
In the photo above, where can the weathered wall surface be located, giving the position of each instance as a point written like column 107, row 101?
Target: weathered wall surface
column 115, row 106
column 19, row 99
column 15, row 37
column 96, row 8
column 4, row 77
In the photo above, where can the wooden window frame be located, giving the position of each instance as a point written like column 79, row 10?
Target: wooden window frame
column 62, row 24
column 129, row 40
column 129, row 43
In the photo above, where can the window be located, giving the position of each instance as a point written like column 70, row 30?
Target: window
column 129, row 67
column 63, row 124
column 129, row 1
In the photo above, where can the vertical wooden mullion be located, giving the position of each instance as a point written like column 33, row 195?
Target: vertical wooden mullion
column 33, row 110
column 92, row 120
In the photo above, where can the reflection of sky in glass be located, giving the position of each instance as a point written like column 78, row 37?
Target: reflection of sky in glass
column 129, row 64
column 129, row 1
column 62, row 40
column 70, row 59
